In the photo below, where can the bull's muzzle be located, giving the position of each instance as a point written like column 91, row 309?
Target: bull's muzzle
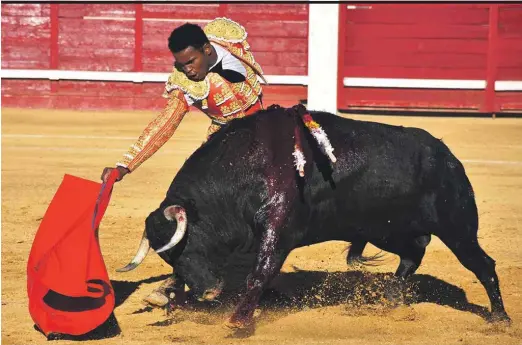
column 174, row 212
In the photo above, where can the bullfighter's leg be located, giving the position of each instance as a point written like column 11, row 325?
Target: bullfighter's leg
column 171, row 290
column 473, row 257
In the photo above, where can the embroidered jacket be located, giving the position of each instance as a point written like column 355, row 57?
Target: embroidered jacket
column 220, row 99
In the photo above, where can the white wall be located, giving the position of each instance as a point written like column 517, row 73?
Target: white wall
column 323, row 39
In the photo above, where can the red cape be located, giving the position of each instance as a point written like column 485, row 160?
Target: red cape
column 67, row 283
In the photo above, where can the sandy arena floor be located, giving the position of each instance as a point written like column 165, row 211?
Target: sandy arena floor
column 340, row 306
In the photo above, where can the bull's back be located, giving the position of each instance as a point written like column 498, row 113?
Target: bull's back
column 383, row 174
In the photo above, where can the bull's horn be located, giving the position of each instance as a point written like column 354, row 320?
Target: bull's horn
column 179, row 214
column 140, row 255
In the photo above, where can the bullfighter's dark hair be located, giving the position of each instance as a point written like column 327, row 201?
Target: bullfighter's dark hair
column 187, row 35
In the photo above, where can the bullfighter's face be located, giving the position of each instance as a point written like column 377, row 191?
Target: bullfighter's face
column 194, row 62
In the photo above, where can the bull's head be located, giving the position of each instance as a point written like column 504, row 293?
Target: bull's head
column 171, row 213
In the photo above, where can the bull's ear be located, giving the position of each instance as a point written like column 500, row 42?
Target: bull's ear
column 178, row 213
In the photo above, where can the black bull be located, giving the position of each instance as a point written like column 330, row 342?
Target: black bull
column 244, row 207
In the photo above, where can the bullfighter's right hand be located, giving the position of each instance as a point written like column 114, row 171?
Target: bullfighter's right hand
column 107, row 171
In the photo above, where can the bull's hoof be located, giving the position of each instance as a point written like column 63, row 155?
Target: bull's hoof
column 211, row 294
column 236, row 324
column 240, row 329
column 156, row 300
column 500, row 318
column 356, row 264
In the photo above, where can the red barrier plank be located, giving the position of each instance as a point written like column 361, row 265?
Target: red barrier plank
column 260, row 28
column 71, row 10
column 157, row 57
column 152, row 89
column 413, row 45
column 291, row 59
column 99, row 64
column 98, row 102
column 95, row 88
column 261, row 44
column 510, row 59
column 294, row 12
column 188, row 10
column 26, row 101
column 149, row 103
column 267, row 58
column 99, row 28
column 414, row 72
column 25, row 87
column 513, row 44
column 509, row 101
column 9, row 43
column 25, row 57
column 26, row 27
column 509, row 73
column 426, row 60
column 411, row 98
column 68, row 40
column 419, row 31
column 442, row 14
column 25, row 10
column 92, row 53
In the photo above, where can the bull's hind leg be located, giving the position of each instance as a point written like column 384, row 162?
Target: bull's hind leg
column 473, row 257
column 410, row 250
column 411, row 256
column 354, row 256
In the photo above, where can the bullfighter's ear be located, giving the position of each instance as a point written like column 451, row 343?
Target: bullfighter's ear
column 207, row 49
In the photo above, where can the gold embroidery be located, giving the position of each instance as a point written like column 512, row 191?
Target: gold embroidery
column 233, row 112
column 195, row 89
column 226, row 30
column 214, row 127
column 236, row 87
column 225, row 109
column 157, row 133
column 218, row 98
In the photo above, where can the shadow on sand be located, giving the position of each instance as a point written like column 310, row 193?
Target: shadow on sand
column 292, row 292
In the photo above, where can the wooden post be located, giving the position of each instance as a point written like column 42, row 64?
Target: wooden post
column 138, row 38
column 489, row 105
column 53, row 51
column 340, row 54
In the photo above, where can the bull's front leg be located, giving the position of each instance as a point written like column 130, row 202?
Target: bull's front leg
column 272, row 218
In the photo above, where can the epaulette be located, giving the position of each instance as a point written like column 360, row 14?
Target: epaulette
column 197, row 90
column 225, row 30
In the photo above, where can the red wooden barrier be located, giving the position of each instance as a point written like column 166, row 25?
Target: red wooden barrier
column 458, row 43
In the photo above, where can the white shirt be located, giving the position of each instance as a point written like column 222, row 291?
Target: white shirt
column 228, row 62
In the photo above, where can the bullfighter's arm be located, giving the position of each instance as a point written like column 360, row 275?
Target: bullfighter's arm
column 157, row 133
